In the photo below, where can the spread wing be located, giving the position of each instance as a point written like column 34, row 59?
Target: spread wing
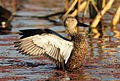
column 49, row 45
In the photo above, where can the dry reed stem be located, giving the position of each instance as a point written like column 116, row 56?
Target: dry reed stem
column 86, row 9
column 95, row 7
column 71, row 7
column 103, row 3
column 74, row 13
column 100, row 14
column 66, row 5
column 116, row 17
column 81, row 7
column 79, row 3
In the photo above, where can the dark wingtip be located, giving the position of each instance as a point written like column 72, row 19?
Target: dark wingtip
column 31, row 32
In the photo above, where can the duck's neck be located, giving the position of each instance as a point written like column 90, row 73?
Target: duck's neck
column 72, row 30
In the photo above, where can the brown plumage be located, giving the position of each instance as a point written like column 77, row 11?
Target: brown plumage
column 78, row 53
column 68, row 54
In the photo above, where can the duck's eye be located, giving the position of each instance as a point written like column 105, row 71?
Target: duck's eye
column 72, row 20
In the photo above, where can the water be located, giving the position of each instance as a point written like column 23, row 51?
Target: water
column 102, row 62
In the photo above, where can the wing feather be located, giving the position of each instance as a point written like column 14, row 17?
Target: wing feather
column 37, row 51
column 49, row 45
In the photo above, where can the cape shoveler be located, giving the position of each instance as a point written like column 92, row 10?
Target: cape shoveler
column 68, row 54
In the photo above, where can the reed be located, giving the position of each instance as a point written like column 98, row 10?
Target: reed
column 101, row 13
column 80, row 8
column 96, row 9
column 70, row 9
column 116, row 17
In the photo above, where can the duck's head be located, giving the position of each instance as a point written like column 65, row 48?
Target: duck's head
column 70, row 24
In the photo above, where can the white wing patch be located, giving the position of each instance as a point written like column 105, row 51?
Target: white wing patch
column 52, row 46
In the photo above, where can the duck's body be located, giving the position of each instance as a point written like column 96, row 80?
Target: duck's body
column 78, row 53
column 68, row 54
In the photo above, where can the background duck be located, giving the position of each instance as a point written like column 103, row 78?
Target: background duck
column 67, row 54
column 5, row 20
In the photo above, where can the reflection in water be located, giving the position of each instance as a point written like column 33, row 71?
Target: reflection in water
column 102, row 62
column 64, row 76
column 116, row 32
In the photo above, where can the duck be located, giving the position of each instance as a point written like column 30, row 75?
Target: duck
column 68, row 54
column 5, row 21
column 5, row 26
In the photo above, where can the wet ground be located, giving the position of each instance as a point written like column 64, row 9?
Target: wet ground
column 102, row 62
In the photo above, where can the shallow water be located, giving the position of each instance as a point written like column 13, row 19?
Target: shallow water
column 102, row 62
